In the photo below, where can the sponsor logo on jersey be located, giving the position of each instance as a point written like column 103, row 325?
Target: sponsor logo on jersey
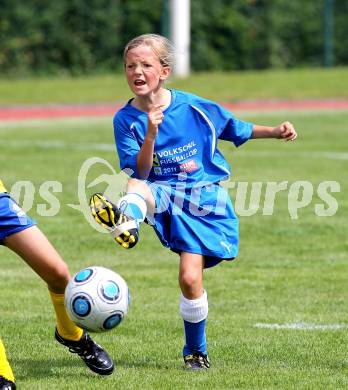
column 188, row 166
column 178, row 150
column 155, row 160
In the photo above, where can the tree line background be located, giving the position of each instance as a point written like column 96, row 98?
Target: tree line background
column 88, row 36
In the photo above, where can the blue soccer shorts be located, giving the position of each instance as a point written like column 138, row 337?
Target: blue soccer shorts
column 199, row 220
column 12, row 218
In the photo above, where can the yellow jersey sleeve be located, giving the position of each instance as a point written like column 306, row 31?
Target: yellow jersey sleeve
column 2, row 187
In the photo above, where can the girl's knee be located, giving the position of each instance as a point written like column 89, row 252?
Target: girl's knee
column 135, row 184
column 139, row 186
column 191, row 286
column 187, row 280
column 58, row 278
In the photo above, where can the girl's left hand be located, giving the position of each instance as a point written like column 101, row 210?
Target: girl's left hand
column 285, row 131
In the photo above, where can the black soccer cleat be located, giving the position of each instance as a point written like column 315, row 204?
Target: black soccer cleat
column 196, row 362
column 94, row 356
column 5, row 384
column 123, row 228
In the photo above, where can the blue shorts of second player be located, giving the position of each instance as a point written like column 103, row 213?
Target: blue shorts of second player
column 12, row 218
column 199, row 220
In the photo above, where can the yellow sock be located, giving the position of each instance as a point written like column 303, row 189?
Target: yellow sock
column 5, row 368
column 66, row 328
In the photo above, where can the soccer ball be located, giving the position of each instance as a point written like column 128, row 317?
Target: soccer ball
column 97, row 299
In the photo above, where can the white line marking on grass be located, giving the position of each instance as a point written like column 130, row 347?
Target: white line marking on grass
column 300, row 326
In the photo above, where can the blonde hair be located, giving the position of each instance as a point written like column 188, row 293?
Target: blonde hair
column 160, row 45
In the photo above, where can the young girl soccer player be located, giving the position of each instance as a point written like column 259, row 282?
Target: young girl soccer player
column 19, row 233
column 167, row 141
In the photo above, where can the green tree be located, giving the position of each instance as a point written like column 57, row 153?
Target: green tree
column 86, row 36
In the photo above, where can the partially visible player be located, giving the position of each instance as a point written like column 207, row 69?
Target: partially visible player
column 19, row 233
column 168, row 139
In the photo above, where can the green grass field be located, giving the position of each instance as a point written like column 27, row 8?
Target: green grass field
column 270, row 84
column 289, row 271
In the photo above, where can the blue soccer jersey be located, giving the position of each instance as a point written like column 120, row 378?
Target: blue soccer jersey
column 193, row 212
column 186, row 141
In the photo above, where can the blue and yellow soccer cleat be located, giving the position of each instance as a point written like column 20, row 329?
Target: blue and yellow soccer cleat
column 196, row 362
column 124, row 229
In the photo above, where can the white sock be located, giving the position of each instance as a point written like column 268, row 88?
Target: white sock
column 133, row 205
column 194, row 310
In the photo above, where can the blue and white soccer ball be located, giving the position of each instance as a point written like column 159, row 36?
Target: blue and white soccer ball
column 97, row 299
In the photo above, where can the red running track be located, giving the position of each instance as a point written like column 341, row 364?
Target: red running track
column 22, row 112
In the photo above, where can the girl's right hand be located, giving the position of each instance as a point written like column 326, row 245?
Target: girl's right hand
column 155, row 118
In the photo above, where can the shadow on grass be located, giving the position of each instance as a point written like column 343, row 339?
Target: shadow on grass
column 27, row 368
column 149, row 365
